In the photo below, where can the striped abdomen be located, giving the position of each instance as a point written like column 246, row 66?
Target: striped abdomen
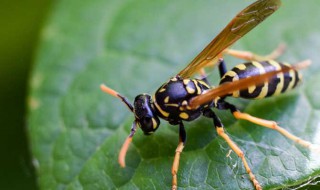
column 276, row 85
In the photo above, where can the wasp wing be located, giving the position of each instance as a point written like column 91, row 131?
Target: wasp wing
column 241, row 24
column 229, row 88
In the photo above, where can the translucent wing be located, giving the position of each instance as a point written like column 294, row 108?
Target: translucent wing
column 228, row 88
column 241, row 24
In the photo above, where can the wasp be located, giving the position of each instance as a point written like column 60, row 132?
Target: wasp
column 183, row 98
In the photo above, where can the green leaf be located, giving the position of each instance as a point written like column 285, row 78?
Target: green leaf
column 76, row 131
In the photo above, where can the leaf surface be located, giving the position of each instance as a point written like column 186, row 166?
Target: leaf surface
column 76, row 131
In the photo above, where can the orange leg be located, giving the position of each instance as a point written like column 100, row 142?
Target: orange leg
column 239, row 152
column 219, row 127
column 175, row 165
column 273, row 125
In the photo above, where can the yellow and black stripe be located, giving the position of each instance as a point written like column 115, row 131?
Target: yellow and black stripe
column 276, row 85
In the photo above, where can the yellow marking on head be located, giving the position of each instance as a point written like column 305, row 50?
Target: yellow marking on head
column 166, row 100
column 154, row 123
column 241, row 66
column 165, row 114
column 183, row 115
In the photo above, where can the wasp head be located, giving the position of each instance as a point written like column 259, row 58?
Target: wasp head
column 145, row 114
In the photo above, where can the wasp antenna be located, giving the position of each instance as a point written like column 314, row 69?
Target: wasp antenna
column 114, row 93
column 125, row 146
column 108, row 90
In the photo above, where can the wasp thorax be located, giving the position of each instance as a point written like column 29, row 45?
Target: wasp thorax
column 145, row 114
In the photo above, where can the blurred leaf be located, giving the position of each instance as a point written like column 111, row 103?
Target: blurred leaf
column 20, row 25
column 76, row 131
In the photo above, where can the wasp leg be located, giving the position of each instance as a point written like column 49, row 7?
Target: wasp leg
column 179, row 149
column 268, row 124
column 222, row 67
column 203, row 74
column 222, row 70
column 219, row 127
column 247, row 55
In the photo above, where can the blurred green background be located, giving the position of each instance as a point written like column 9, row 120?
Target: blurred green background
column 20, row 23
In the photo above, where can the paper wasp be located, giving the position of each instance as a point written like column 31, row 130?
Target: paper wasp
column 183, row 98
